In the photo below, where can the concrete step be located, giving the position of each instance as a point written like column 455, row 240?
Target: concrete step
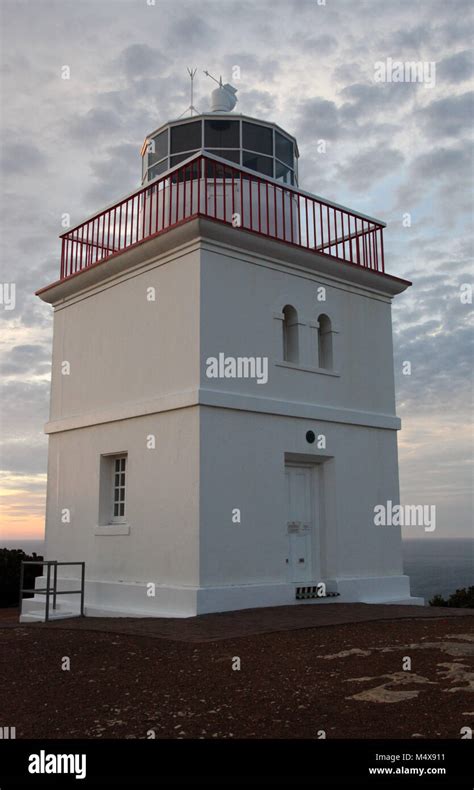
column 39, row 617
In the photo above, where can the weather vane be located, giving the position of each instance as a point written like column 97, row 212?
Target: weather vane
column 223, row 98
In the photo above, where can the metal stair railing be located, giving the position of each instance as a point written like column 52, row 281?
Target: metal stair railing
column 48, row 590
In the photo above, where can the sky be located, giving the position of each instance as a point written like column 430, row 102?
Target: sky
column 397, row 150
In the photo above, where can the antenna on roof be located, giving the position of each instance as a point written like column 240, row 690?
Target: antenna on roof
column 191, row 107
column 219, row 81
column 223, row 98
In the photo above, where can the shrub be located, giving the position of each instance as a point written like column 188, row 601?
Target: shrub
column 10, row 564
column 463, row 598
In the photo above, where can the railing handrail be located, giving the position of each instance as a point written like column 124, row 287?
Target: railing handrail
column 49, row 562
column 48, row 589
column 203, row 153
column 209, row 186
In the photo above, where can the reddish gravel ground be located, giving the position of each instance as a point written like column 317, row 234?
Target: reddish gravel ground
column 347, row 680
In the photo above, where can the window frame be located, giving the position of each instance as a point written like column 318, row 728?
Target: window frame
column 290, row 335
column 325, row 342
column 120, row 518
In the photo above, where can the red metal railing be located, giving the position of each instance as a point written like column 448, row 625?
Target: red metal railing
column 209, row 187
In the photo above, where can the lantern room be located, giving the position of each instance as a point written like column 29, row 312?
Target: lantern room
column 257, row 145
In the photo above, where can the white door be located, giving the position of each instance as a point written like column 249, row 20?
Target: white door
column 299, row 522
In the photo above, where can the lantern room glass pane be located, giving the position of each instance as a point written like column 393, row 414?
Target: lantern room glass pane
column 158, row 148
column 284, row 149
column 221, row 134
column 283, row 173
column 262, row 164
column 257, row 138
column 175, row 160
column 157, row 170
column 232, row 156
column 186, row 137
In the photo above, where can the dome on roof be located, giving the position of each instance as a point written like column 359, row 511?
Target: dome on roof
column 223, row 98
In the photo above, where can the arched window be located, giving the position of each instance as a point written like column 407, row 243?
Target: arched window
column 290, row 334
column 325, row 342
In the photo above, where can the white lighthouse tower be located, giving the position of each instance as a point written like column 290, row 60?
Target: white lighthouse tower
column 222, row 417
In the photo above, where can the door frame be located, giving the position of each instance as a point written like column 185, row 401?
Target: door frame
column 316, row 510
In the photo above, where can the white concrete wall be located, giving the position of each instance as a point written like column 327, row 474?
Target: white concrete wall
column 242, row 466
column 123, row 348
column 132, row 357
column 162, row 506
column 239, row 298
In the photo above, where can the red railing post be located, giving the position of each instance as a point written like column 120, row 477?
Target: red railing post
column 224, row 190
column 200, row 169
column 61, row 269
column 275, row 212
column 233, row 195
column 177, row 194
column 150, row 193
column 350, row 236
column 381, row 250
column 250, row 201
column 241, row 200
column 215, row 190
column 283, row 211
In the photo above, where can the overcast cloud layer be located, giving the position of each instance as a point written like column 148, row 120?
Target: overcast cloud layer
column 392, row 150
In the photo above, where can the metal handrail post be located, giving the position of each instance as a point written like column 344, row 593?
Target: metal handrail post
column 22, row 572
column 83, row 576
column 55, row 583
column 48, row 582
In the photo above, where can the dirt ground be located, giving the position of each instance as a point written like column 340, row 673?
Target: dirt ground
column 347, row 680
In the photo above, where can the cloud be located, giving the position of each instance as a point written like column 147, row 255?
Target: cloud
column 448, row 117
column 194, row 31
column 457, row 68
column 369, row 166
column 95, row 124
column 365, row 100
column 318, row 118
column 445, row 168
column 318, row 45
column 259, row 102
column 21, row 158
column 27, row 359
column 252, row 67
column 118, row 163
column 141, row 60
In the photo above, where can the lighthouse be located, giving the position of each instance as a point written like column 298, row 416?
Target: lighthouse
column 222, row 423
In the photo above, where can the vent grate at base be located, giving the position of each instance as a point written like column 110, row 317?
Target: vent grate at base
column 303, row 593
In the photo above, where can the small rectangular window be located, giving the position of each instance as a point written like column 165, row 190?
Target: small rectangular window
column 257, row 138
column 120, row 465
column 113, row 490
